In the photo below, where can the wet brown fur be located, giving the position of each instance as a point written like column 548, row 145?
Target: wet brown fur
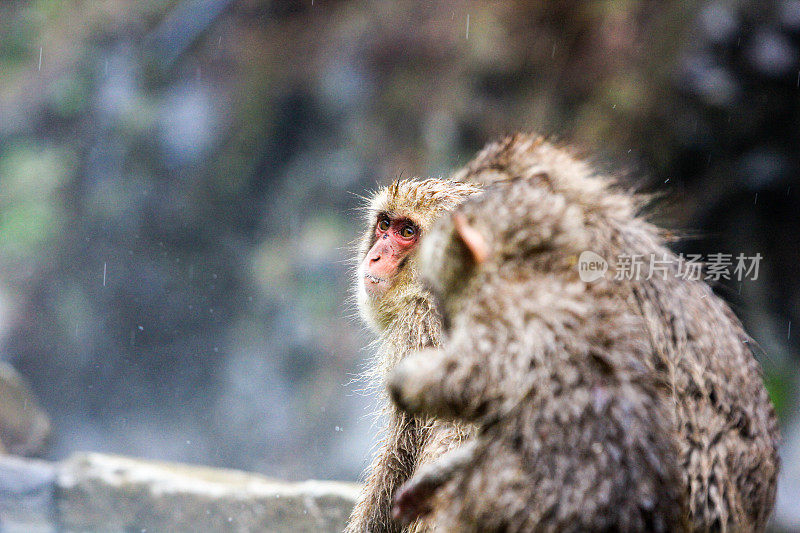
column 577, row 386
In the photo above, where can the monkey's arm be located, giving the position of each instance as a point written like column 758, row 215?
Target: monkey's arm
column 466, row 379
column 391, row 467
column 444, row 384
column 413, row 499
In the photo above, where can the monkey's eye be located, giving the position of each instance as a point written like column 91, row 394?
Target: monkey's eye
column 408, row 231
column 383, row 224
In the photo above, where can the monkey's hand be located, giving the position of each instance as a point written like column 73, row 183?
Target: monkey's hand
column 415, row 498
column 437, row 383
column 412, row 501
column 414, row 383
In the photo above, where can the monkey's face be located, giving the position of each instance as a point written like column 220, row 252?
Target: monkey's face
column 397, row 217
column 396, row 236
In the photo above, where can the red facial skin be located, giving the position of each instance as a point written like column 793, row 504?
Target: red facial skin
column 392, row 245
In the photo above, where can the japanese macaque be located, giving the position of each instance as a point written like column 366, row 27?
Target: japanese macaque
column 613, row 404
column 395, row 304
column 574, row 435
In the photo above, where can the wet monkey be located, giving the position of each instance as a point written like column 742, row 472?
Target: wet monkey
column 393, row 302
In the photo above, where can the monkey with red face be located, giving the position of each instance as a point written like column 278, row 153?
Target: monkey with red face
column 393, row 302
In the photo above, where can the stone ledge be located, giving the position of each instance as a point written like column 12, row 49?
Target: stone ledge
column 97, row 492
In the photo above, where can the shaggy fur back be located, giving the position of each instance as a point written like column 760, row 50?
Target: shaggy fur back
column 552, row 208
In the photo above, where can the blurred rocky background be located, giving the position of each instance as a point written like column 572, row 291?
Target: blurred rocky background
column 179, row 184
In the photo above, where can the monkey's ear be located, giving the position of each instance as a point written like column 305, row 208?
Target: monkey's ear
column 471, row 238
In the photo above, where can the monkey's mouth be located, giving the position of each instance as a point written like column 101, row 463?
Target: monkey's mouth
column 375, row 286
column 373, row 279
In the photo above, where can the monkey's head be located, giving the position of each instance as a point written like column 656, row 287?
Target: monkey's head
column 398, row 217
column 541, row 207
column 518, row 225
